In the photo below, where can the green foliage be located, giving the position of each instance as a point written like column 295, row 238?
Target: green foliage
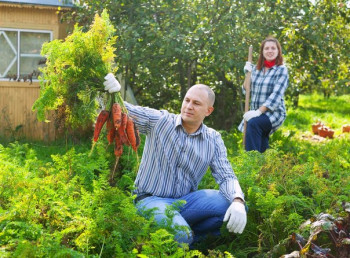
column 62, row 205
column 55, row 201
column 161, row 244
column 74, row 72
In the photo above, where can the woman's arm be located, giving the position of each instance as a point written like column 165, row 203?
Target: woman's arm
column 263, row 109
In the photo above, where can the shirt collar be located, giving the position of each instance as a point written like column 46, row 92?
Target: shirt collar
column 178, row 123
column 275, row 67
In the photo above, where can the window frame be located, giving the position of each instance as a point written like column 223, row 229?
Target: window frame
column 18, row 55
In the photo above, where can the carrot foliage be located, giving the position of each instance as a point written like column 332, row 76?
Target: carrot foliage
column 75, row 70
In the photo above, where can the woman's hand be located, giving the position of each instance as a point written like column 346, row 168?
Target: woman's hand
column 248, row 67
column 251, row 113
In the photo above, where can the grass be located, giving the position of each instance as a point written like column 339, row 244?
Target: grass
column 333, row 112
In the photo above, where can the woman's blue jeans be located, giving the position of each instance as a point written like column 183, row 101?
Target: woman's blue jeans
column 257, row 134
column 202, row 214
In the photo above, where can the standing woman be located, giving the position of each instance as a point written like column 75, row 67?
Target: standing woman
column 268, row 83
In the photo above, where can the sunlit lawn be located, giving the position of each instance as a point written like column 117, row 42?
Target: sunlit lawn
column 333, row 112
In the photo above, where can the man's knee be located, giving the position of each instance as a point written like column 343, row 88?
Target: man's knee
column 157, row 208
column 184, row 236
column 209, row 201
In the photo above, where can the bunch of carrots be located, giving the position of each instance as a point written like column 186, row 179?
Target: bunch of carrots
column 121, row 129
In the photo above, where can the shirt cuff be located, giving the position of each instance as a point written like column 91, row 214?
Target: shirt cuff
column 237, row 196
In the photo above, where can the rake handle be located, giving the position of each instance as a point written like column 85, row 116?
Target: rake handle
column 247, row 91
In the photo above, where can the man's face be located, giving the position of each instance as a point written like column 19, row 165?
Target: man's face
column 195, row 106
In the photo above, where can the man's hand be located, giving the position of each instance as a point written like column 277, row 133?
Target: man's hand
column 236, row 217
column 111, row 84
column 250, row 114
column 248, row 67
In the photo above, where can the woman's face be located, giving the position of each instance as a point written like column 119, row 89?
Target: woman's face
column 270, row 51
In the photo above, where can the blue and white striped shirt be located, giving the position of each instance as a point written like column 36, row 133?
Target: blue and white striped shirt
column 174, row 162
column 267, row 89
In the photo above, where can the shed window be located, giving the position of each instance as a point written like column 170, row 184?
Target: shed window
column 20, row 53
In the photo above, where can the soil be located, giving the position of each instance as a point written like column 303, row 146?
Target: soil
column 313, row 137
column 309, row 136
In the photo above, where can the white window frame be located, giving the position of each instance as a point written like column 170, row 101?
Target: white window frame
column 17, row 51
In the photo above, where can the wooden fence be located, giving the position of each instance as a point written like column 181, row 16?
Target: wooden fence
column 16, row 98
column 17, row 118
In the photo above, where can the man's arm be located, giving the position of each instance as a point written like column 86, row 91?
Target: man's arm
column 145, row 118
column 236, row 215
column 223, row 173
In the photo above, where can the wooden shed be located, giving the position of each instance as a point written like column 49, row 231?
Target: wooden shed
column 24, row 27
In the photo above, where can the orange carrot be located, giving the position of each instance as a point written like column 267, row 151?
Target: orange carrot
column 117, row 115
column 118, row 148
column 121, row 130
column 123, row 137
column 130, row 133
column 124, row 121
column 101, row 120
column 110, row 131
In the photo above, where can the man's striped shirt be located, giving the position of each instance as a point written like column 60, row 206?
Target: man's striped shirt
column 174, row 162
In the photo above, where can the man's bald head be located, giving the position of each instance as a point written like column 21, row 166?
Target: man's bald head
column 210, row 92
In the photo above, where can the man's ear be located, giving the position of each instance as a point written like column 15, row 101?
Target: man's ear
column 209, row 111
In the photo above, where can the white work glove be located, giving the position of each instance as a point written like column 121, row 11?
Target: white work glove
column 236, row 217
column 251, row 113
column 111, row 84
column 248, row 67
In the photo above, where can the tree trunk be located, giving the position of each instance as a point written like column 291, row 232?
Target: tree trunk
column 227, row 105
column 296, row 100
column 182, row 80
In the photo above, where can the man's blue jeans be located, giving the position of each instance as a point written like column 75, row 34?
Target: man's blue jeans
column 258, row 132
column 202, row 213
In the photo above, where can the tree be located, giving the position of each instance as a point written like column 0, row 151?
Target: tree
column 165, row 46
column 318, row 47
